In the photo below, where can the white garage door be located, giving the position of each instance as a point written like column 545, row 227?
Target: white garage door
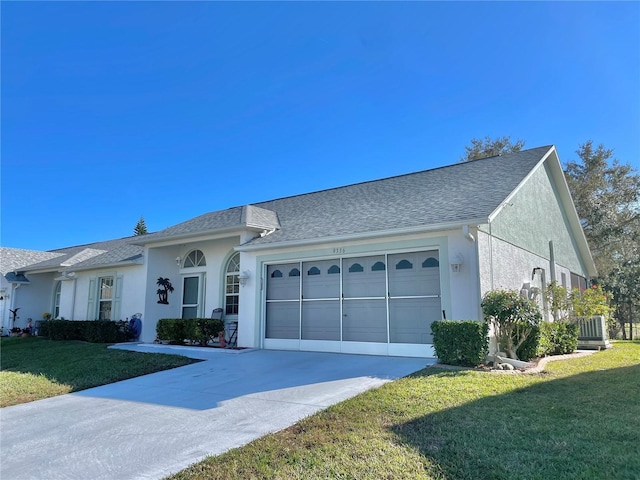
column 382, row 304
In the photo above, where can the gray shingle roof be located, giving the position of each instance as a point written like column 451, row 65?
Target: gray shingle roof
column 248, row 216
column 12, row 259
column 97, row 254
column 455, row 193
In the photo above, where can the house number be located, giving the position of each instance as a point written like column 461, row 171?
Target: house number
column 339, row 250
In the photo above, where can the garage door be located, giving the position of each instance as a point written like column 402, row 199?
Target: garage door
column 380, row 304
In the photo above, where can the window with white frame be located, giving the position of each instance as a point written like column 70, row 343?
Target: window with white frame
column 195, row 259
column 232, row 286
column 105, row 298
column 56, row 300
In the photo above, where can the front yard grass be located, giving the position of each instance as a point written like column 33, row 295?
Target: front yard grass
column 34, row 368
column 580, row 419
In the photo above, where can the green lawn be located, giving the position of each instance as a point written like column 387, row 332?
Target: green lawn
column 34, row 368
column 578, row 420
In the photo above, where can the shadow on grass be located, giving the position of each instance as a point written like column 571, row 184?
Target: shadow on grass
column 584, row 426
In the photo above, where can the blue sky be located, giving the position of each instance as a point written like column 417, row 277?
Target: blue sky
column 116, row 110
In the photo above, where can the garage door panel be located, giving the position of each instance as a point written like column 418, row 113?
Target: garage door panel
column 283, row 320
column 364, row 321
column 321, row 320
column 412, row 274
column 410, row 319
column 364, row 277
column 321, row 279
column 283, row 281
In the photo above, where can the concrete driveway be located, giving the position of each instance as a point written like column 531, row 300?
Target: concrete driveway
column 151, row 426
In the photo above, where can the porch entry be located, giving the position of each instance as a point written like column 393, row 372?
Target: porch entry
column 378, row 304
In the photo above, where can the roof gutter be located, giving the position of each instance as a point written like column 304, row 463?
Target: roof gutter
column 203, row 235
column 361, row 236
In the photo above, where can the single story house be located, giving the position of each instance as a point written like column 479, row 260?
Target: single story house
column 363, row 268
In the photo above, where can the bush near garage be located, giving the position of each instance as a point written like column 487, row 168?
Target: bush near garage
column 191, row 330
column 94, row 331
column 463, row 343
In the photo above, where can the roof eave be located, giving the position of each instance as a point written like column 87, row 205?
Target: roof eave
column 102, row 266
column 364, row 235
column 203, row 235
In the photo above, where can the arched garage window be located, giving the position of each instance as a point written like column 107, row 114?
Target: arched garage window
column 232, row 286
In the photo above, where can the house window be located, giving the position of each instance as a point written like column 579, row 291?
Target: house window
column 378, row 267
column 356, row 268
column 105, row 298
column 430, row 262
column 313, row 271
column 404, row 265
column 294, row 272
column 333, row 269
column 195, row 259
column 276, row 274
column 232, row 286
column 56, row 300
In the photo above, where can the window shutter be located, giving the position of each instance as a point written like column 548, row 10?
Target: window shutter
column 91, row 304
column 117, row 299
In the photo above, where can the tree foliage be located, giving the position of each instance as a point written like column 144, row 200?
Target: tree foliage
column 140, row 228
column 488, row 147
column 606, row 194
column 513, row 317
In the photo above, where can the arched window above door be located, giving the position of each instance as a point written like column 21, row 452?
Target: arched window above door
column 195, row 259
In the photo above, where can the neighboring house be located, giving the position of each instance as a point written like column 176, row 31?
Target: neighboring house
column 364, row 268
column 81, row 282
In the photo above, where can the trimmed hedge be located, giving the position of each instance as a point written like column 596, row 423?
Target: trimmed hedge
column 529, row 348
column 191, row 330
column 94, row 331
column 558, row 338
column 462, row 343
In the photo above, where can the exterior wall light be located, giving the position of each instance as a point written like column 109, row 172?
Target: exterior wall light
column 243, row 277
column 178, row 260
column 456, row 263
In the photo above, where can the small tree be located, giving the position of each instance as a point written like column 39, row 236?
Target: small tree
column 513, row 318
column 559, row 301
column 590, row 302
column 140, row 228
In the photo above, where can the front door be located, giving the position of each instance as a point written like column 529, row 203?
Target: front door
column 192, row 288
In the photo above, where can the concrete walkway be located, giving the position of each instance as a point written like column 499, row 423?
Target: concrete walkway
column 151, row 426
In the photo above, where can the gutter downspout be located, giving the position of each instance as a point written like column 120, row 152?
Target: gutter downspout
column 476, row 264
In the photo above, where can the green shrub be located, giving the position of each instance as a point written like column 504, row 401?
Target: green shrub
column 513, row 318
column 558, row 338
column 529, row 348
column 192, row 330
column 460, row 343
column 94, row 331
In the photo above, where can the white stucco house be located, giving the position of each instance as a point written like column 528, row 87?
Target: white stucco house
column 363, row 268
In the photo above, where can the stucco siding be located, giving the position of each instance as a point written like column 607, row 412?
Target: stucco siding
column 535, row 216
column 32, row 299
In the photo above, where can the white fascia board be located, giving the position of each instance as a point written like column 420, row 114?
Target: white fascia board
column 363, row 236
column 509, row 197
column 102, row 266
column 197, row 237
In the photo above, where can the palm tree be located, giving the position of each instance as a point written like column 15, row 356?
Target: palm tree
column 163, row 291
